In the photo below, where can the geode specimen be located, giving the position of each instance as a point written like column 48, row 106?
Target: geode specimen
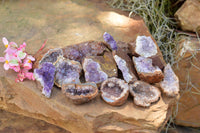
column 125, row 65
column 114, row 91
column 170, row 84
column 144, row 94
column 145, row 46
column 45, row 75
column 79, row 51
column 146, row 71
column 110, row 40
column 80, row 93
column 51, row 56
column 93, row 71
column 67, row 71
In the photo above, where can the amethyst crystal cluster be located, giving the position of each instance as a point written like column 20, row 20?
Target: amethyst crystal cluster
column 116, row 68
column 45, row 75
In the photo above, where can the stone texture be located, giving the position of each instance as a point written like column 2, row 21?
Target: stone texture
column 188, row 71
column 188, row 16
column 107, row 63
column 144, row 94
column 146, row 71
column 93, row 71
column 67, row 71
column 125, row 65
column 170, row 83
column 77, row 52
column 13, row 123
column 114, row 91
column 64, row 23
column 80, row 93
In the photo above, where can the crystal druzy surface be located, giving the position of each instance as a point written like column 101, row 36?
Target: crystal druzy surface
column 45, row 75
column 51, row 56
column 110, row 40
column 67, row 71
column 144, row 94
column 170, row 84
column 145, row 46
column 114, row 91
column 93, row 71
column 146, row 71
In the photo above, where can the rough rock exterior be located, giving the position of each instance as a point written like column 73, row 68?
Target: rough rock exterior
column 146, row 71
column 64, row 23
column 80, row 93
column 188, row 71
column 125, row 65
column 144, row 94
column 78, row 51
column 188, row 16
column 170, row 84
column 114, row 91
column 67, row 71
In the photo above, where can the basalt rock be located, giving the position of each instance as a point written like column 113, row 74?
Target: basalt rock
column 144, row 94
column 67, row 71
column 78, row 51
column 170, row 84
column 80, row 93
column 114, row 91
column 146, row 71
column 125, row 65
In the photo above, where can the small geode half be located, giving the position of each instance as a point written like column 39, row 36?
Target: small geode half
column 67, row 71
column 145, row 46
column 144, row 94
column 51, row 56
column 170, row 84
column 80, row 93
column 146, row 71
column 114, row 91
column 93, row 71
column 45, row 75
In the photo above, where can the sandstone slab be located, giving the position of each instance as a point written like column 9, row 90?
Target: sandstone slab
column 188, row 71
column 65, row 23
column 188, row 16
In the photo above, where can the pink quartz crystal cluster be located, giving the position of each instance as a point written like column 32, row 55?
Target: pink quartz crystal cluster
column 117, row 69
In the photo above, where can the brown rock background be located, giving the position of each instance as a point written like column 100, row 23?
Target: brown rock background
column 188, row 71
column 189, row 16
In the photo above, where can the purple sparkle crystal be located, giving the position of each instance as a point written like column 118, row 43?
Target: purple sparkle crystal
column 45, row 75
column 110, row 40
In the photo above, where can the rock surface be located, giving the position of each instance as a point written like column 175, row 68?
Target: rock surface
column 188, row 16
column 188, row 71
column 13, row 123
column 64, row 23
column 144, row 94
column 146, row 71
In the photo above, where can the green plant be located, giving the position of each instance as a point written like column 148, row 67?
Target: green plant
column 156, row 14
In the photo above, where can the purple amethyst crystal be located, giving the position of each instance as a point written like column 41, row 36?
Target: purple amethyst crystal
column 45, row 75
column 110, row 40
column 93, row 71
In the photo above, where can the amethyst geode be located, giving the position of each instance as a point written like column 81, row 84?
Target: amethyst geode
column 45, row 75
column 67, row 71
column 110, row 40
column 93, row 71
